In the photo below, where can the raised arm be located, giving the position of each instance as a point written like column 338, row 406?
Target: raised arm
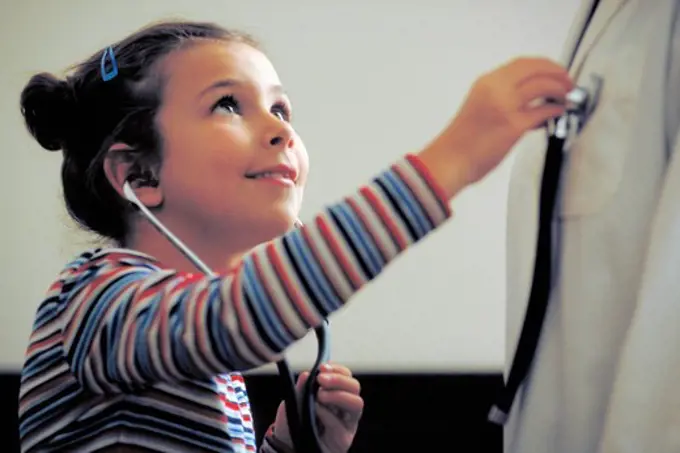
column 127, row 325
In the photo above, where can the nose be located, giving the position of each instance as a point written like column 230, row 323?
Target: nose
column 281, row 135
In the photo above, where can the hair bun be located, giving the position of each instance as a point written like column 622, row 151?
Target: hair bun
column 49, row 106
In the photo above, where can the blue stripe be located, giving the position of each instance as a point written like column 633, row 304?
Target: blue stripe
column 178, row 353
column 95, row 310
column 263, row 306
column 312, row 273
column 53, row 392
column 354, row 228
column 412, row 207
column 116, row 323
column 216, row 330
column 44, row 360
column 183, row 357
column 113, row 372
column 142, row 356
column 62, row 401
column 47, row 312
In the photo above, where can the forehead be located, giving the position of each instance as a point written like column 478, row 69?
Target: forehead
column 191, row 70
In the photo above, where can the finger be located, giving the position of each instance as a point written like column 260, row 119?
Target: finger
column 345, row 402
column 334, row 422
column 542, row 90
column 336, row 368
column 525, row 68
column 339, row 382
column 538, row 116
column 302, row 379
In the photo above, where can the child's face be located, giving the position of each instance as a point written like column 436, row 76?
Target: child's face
column 223, row 118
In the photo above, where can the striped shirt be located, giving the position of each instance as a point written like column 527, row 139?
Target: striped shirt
column 126, row 353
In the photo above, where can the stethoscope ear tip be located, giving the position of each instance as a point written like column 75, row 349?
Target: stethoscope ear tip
column 129, row 193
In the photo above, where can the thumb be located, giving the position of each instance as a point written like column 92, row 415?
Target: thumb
column 302, row 379
column 539, row 116
column 300, row 385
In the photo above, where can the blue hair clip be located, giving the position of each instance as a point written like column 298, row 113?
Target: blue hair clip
column 113, row 72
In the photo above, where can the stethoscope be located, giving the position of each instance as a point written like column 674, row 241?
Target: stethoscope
column 580, row 103
column 300, row 412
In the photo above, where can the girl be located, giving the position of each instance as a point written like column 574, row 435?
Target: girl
column 133, row 350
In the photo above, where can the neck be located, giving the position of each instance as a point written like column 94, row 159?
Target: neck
column 219, row 254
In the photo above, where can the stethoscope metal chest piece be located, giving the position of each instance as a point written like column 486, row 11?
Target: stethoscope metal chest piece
column 581, row 103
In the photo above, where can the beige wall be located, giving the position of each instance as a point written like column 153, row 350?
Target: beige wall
column 369, row 81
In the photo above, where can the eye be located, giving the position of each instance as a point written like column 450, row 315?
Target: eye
column 282, row 111
column 227, row 104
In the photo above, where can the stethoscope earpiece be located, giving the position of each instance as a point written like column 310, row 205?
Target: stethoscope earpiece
column 130, row 194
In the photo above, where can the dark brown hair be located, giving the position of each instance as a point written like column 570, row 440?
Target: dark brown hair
column 83, row 115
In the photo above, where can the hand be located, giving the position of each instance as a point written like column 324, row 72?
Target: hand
column 339, row 407
column 501, row 106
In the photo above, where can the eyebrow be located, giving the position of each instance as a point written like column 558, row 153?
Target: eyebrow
column 228, row 83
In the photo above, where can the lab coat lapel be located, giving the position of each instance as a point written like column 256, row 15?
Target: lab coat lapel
column 575, row 31
column 579, row 43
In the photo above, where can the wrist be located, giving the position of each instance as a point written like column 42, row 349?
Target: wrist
column 451, row 171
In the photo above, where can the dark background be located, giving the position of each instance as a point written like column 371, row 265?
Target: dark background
column 404, row 412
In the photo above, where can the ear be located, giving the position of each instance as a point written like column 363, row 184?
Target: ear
column 125, row 164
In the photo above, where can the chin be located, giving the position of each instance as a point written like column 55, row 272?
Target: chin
column 272, row 228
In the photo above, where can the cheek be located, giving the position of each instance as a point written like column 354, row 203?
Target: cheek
column 303, row 162
column 203, row 166
column 209, row 146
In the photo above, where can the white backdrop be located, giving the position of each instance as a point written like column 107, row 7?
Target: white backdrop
column 369, row 80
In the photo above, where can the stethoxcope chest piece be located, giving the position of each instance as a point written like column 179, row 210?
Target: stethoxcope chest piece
column 580, row 104
column 582, row 100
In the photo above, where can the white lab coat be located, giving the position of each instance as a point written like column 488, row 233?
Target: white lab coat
column 606, row 376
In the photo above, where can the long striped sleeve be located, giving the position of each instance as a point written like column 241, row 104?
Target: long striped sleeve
column 125, row 324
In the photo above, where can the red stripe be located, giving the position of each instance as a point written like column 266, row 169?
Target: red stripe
column 230, row 405
column 385, row 216
column 339, row 253
column 405, row 178
column 200, row 330
column 237, row 378
column 314, row 249
column 425, row 173
column 364, row 220
column 237, row 302
column 163, row 328
column 266, row 286
column 43, row 344
column 291, row 287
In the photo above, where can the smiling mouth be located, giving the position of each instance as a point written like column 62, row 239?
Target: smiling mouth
column 282, row 174
column 274, row 176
